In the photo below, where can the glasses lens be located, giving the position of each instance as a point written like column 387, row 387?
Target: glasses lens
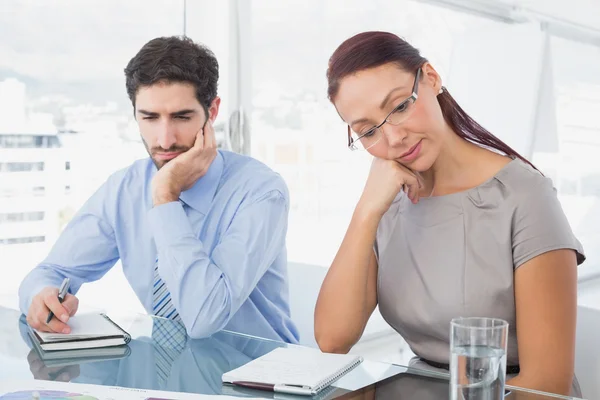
column 402, row 112
column 364, row 141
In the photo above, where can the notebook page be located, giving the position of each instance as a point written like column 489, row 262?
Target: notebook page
column 292, row 366
column 84, row 326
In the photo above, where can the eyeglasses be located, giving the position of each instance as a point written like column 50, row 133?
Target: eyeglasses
column 371, row 136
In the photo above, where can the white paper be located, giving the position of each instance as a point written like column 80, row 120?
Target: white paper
column 84, row 326
column 293, row 366
column 46, row 390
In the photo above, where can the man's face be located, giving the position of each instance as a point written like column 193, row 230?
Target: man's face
column 169, row 116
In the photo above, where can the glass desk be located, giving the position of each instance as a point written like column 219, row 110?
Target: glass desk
column 199, row 365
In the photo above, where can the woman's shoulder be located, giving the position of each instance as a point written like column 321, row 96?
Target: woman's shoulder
column 520, row 176
column 539, row 223
column 515, row 183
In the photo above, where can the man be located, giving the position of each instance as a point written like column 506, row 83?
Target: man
column 200, row 232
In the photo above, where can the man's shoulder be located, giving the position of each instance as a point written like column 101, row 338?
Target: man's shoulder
column 250, row 174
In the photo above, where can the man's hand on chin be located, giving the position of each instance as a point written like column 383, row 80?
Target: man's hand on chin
column 183, row 171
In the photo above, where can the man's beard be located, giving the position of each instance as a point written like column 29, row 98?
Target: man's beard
column 173, row 149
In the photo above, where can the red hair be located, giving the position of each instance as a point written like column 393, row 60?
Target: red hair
column 373, row 49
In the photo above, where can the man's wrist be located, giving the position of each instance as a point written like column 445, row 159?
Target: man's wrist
column 163, row 197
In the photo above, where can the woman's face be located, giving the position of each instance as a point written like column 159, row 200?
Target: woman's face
column 414, row 132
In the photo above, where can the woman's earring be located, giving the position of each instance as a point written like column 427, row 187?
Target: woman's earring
column 442, row 90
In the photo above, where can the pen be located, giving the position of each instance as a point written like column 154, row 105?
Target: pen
column 62, row 292
column 285, row 388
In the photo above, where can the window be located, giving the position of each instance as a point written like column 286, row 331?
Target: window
column 21, row 216
column 32, row 239
column 64, row 110
column 38, row 190
column 20, row 191
column 577, row 94
column 53, row 83
column 21, row 166
column 27, row 141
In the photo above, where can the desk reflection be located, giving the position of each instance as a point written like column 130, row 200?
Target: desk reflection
column 196, row 368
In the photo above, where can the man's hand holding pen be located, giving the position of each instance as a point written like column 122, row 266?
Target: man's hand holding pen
column 51, row 308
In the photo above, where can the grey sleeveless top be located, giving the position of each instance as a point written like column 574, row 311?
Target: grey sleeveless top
column 455, row 255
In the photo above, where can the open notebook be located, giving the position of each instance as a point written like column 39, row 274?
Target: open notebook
column 87, row 331
column 294, row 370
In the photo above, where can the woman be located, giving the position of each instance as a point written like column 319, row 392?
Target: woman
column 451, row 222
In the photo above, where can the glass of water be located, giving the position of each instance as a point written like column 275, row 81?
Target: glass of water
column 478, row 358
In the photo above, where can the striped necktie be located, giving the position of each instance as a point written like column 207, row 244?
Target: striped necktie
column 162, row 305
column 169, row 338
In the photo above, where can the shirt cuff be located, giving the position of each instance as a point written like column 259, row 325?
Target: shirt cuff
column 33, row 284
column 169, row 224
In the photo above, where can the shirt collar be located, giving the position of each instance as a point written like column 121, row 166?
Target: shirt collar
column 200, row 196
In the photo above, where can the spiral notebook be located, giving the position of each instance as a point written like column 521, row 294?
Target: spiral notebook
column 87, row 331
column 64, row 358
column 293, row 370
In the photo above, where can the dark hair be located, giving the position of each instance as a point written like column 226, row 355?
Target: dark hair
column 174, row 59
column 373, row 49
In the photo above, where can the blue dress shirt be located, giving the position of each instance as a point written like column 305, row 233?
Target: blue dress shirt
column 221, row 248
